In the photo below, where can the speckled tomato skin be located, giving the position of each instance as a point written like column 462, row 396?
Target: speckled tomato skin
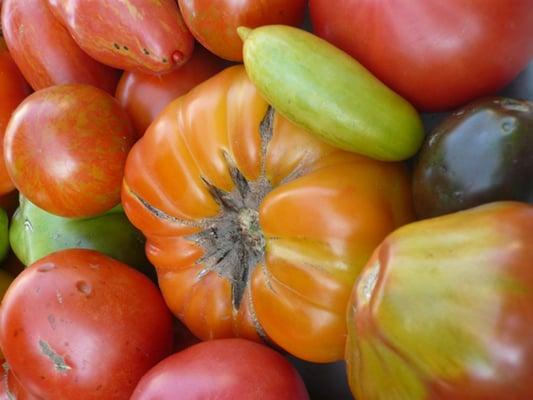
column 66, row 148
column 106, row 323
column 44, row 50
column 136, row 35
column 13, row 90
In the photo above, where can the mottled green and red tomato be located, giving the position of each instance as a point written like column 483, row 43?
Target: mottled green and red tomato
column 444, row 309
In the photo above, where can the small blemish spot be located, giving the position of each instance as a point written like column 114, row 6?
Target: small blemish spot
column 84, row 288
column 116, row 46
column 46, row 267
column 125, row 48
column 145, row 51
column 164, row 60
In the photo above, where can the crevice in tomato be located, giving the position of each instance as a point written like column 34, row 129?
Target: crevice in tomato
column 5, row 378
column 59, row 362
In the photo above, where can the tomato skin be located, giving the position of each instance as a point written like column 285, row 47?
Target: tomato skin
column 319, row 212
column 479, row 154
column 144, row 96
column 436, row 54
column 138, row 35
column 444, row 310
column 214, row 23
column 80, row 325
column 66, row 147
column 11, row 388
column 224, row 369
column 14, row 90
column 44, row 50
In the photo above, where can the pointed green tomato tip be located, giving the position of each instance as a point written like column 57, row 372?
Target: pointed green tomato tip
column 243, row 32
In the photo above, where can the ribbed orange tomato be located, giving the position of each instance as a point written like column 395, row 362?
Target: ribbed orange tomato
column 256, row 229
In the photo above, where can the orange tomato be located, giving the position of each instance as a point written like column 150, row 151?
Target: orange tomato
column 257, row 229
column 14, row 90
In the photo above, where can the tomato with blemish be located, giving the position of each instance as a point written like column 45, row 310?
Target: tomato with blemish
column 257, row 229
column 136, row 35
column 66, row 147
column 144, row 96
column 214, row 23
column 80, row 325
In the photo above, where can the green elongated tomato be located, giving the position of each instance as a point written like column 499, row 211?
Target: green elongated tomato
column 35, row 233
column 327, row 92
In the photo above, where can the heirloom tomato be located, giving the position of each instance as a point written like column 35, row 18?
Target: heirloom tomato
column 80, row 325
column 13, row 90
column 444, row 309
column 257, row 229
column 214, row 23
column 65, row 149
column 143, row 96
column 437, row 54
column 44, row 50
column 224, row 369
column 479, row 154
column 140, row 35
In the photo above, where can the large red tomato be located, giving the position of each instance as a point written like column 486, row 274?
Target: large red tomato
column 13, row 90
column 143, row 96
column 65, row 149
column 226, row 369
column 80, row 325
column 257, row 229
column 44, row 50
column 214, row 23
column 438, row 54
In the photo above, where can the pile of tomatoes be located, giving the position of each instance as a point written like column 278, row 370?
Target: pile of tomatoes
column 198, row 195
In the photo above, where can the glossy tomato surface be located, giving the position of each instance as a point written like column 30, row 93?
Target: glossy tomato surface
column 437, row 54
column 80, row 325
column 13, row 90
column 257, row 229
column 44, row 50
column 444, row 310
column 214, row 23
column 144, row 96
column 66, row 147
column 225, row 369
column 140, row 35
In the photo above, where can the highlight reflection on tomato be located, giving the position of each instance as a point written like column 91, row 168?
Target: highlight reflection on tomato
column 257, row 229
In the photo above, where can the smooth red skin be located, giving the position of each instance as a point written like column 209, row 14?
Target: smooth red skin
column 144, row 96
column 11, row 388
column 108, row 321
column 224, row 369
column 66, row 147
column 214, row 23
column 44, row 50
column 13, row 90
column 437, row 54
column 148, row 36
